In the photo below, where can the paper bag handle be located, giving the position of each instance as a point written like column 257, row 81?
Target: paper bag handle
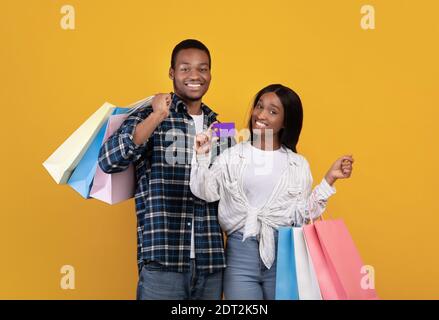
column 136, row 105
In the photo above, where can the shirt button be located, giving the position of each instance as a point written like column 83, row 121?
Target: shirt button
column 189, row 224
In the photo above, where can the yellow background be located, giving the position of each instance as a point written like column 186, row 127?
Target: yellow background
column 370, row 93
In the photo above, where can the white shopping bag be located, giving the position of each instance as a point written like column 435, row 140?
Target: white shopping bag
column 307, row 283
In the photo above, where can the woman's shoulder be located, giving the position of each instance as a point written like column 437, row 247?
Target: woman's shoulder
column 298, row 158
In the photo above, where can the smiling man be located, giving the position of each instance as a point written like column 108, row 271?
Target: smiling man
column 180, row 243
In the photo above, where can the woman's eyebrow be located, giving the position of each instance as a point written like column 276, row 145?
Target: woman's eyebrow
column 275, row 106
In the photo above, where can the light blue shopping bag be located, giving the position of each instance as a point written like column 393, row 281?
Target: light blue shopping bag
column 82, row 177
column 286, row 278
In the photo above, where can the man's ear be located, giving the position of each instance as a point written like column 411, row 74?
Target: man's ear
column 171, row 73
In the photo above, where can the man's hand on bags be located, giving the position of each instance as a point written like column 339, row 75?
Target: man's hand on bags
column 160, row 111
column 341, row 169
column 160, row 105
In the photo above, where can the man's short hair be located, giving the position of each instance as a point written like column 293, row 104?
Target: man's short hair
column 189, row 44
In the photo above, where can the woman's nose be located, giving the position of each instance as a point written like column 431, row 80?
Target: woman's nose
column 261, row 115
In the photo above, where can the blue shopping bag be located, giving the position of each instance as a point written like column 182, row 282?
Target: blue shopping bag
column 286, row 278
column 82, row 177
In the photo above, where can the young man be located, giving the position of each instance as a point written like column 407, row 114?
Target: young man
column 180, row 243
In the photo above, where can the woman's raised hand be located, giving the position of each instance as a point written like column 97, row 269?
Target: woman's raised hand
column 203, row 141
column 341, row 169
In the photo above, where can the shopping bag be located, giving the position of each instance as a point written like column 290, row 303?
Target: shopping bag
column 344, row 259
column 307, row 283
column 114, row 187
column 64, row 160
column 330, row 286
column 82, row 177
column 286, row 281
column 66, row 157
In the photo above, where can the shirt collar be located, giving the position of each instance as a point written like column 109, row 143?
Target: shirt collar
column 178, row 105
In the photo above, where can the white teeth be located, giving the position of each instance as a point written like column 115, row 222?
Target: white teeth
column 193, row 85
column 261, row 124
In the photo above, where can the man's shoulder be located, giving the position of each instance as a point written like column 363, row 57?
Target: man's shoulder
column 209, row 112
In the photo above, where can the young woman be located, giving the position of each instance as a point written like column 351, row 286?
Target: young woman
column 262, row 184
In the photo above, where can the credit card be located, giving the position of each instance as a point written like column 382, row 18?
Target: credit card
column 223, row 129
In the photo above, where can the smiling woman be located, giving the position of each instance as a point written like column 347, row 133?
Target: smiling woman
column 262, row 185
column 276, row 117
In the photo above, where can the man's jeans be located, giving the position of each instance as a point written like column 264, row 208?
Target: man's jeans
column 246, row 277
column 157, row 284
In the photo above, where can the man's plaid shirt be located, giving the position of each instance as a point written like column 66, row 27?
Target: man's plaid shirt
column 165, row 205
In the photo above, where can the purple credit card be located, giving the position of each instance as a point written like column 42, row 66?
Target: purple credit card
column 224, row 129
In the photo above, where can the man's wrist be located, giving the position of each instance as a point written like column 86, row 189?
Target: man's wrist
column 159, row 116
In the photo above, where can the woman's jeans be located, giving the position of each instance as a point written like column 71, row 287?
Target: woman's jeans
column 246, row 277
column 157, row 284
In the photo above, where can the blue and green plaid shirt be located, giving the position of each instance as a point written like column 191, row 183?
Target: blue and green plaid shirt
column 165, row 205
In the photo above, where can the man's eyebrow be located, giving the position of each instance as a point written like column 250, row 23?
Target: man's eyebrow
column 200, row 64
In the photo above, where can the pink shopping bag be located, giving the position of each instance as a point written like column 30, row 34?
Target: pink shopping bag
column 330, row 286
column 337, row 261
column 115, row 187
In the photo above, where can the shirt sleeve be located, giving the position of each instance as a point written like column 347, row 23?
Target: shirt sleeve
column 314, row 201
column 205, row 181
column 119, row 151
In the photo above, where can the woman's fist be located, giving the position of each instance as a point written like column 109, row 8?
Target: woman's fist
column 341, row 169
